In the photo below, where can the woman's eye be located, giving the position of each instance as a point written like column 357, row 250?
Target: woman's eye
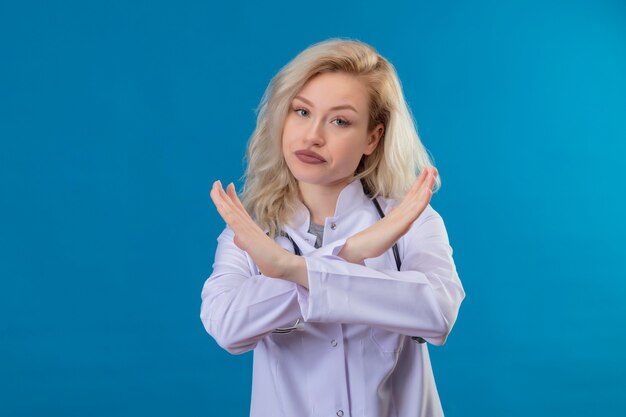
column 342, row 122
column 338, row 121
column 301, row 111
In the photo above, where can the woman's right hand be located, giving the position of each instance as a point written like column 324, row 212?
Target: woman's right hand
column 378, row 238
column 273, row 261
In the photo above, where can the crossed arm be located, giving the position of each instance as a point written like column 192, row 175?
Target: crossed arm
column 332, row 284
column 275, row 262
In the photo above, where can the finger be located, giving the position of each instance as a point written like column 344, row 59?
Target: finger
column 407, row 205
column 223, row 204
column 233, row 194
column 215, row 188
column 215, row 196
column 219, row 197
column 219, row 205
column 238, row 206
column 418, row 182
column 227, row 200
column 425, row 193
column 418, row 201
column 429, row 183
column 425, row 200
column 239, row 218
column 218, row 201
column 426, row 172
column 432, row 179
column 415, row 191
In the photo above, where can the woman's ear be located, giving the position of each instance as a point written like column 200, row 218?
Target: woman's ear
column 374, row 138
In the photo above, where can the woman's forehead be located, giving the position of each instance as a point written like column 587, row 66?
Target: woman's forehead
column 334, row 89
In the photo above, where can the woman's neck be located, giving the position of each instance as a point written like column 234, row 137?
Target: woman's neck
column 321, row 200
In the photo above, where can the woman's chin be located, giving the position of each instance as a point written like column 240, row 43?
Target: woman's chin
column 309, row 179
column 306, row 175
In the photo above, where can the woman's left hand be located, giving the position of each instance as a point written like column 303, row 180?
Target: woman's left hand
column 381, row 236
column 272, row 260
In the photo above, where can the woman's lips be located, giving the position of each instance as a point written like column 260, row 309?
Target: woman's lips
column 309, row 157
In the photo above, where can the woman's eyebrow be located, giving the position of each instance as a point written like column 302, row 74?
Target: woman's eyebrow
column 344, row 106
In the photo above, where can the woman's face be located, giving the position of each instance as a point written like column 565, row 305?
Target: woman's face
column 325, row 132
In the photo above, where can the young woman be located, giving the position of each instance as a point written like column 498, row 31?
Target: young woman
column 334, row 267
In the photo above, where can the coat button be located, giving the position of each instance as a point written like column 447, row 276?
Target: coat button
column 333, row 226
column 340, row 413
column 333, row 343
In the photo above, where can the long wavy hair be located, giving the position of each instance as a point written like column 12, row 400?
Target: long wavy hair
column 270, row 193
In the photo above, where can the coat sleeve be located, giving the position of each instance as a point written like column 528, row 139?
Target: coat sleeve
column 240, row 306
column 422, row 299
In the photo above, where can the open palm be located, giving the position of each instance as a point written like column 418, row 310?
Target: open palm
column 266, row 253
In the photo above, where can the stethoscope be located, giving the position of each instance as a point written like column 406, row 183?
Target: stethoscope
column 299, row 325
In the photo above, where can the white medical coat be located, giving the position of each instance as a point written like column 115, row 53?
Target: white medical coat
column 354, row 355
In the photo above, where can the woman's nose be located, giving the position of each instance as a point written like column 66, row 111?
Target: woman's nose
column 315, row 132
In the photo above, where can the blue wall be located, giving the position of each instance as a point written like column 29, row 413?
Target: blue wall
column 116, row 117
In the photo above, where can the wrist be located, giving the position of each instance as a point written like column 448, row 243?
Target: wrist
column 351, row 251
column 294, row 270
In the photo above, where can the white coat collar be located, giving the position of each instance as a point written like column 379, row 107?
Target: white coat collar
column 350, row 199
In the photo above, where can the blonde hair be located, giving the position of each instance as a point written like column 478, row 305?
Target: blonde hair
column 270, row 192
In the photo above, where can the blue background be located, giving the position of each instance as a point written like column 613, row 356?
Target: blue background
column 116, row 117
